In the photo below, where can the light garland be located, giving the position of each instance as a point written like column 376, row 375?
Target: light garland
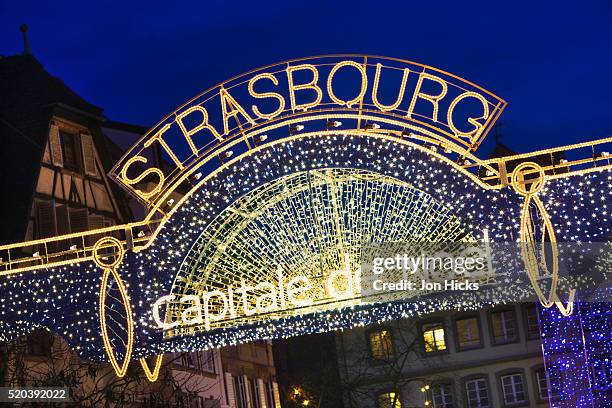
column 64, row 299
column 152, row 374
column 578, row 354
column 429, row 187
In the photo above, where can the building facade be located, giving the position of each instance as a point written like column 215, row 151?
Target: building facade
column 57, row 150
column 250, row 376
column 479, row 359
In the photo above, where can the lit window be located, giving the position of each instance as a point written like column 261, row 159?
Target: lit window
column 533, row 326
column 503, row 326
column 381, row 345
column 389, row 400
column 442, row 396
column 512, row 386
column 477, row 393
column 547, row 384
column 468, row 334
column 433, row 336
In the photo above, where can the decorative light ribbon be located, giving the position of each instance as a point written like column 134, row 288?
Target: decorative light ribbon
column 108, row 253
column 528, row 242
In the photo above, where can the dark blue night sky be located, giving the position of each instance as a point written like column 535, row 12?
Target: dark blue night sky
column 551, row 60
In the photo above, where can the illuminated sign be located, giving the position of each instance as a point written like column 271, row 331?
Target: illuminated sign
column 262, row 298
column 286, row 293
column 409, row 97
column 297, row 164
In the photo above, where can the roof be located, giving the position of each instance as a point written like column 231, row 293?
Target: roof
column 501, row 150
column 126, row 127
column 29, row 96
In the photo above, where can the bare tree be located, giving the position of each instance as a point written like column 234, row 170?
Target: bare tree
column 363, row 374
column 30, row 362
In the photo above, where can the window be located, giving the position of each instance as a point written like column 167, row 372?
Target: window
column 547, row 384
column 532, row 322
column 199, row 360
column 389, row 400
column 240, row 402
column 39, row 343
column 95, row 221
column 250, row 389
column 79, row 220
column 381, row 344
column 136, row 397
column 187, row 360
column 185, row 400
column 513, row 389
column 240, row 389
column 270, row 400
column 442, row 396
column 503, row 326
column 207, row 361
column 197, row 401
column 45, row 218
column 256, row 393
column 70, row 151
column 477, row 393
column 468, row 332
column 433, row 337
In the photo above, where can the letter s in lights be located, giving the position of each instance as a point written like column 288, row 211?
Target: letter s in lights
column 261, row 95
column 142, row 176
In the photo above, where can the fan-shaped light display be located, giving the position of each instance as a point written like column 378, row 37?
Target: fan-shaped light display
column 307, row 224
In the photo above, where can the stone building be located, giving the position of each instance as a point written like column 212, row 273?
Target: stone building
column 480, row 359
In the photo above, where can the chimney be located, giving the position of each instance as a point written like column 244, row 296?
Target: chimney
column 26, row 45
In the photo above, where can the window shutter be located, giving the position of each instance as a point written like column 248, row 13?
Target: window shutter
column 29, row 231
column 276, row 395
column 46, row 219
column 96, row 221
column 261, row 389
column 63, row 223
column 78, row 220
column 229, row 389
column 244, row 389
column 56, row 146
column 47, row 155
column 89, row 155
